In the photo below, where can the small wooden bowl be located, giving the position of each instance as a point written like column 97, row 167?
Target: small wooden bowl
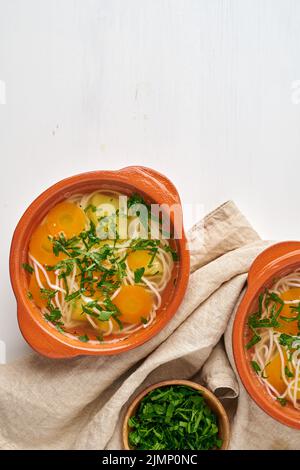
column 212, row 401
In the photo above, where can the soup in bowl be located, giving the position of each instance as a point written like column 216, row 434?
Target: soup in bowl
column 266, row 333
column 97, row 265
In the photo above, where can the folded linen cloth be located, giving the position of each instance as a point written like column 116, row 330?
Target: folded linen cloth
column 80, row 403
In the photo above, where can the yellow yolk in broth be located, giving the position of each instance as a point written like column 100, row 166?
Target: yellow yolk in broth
column 133, row 302
column 104, row 205
column 66, row 217
column 138, row 259
column 274, row 374
column 41, row 247
column 290, row 328
column 35, row 289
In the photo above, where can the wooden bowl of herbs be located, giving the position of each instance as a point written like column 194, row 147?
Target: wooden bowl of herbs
column 176, row 415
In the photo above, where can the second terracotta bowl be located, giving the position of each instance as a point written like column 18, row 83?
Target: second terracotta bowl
column 155, row 188
column 276, row 261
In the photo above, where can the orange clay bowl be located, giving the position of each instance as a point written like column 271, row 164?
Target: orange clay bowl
column 212, row 401
column 155, row 188
column 276, row 261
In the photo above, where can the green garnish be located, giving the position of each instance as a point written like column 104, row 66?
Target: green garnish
column 282, row 401
column 29, row 295
column 287, row 340
column 90, row 207
column 136, row 199
column 72, row 296
column 144, row 320
column 288, row 372
column 174, row 418
column 173, row 252
column 274, row 305
column 255, row 367
column 53, row 316
column 138, row 274
column 83, row 338
column 28, row 268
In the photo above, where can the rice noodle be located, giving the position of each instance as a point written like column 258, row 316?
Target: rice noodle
column 268, row 347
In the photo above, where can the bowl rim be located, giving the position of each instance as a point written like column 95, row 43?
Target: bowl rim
column 154, row 186
column 207, row 394
column 276, row 259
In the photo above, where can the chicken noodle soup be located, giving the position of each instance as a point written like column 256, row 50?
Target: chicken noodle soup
column 275, row 340
column 88, row 281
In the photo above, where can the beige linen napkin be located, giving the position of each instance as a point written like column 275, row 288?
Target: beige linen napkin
column 79, row 403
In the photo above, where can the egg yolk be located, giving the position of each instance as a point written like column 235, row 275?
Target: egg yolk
column 274, row 375
column 66, row 217
column 138, row 259
column 35, row 289
column 133, row 302
column 290, row 328
column 41, row 247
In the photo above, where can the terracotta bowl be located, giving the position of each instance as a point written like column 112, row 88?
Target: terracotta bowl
column 212, row 401
column 155, row 188
column 277, row 260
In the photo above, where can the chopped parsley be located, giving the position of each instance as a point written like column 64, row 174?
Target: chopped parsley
column 255, row 367
column 138, row 274
column 282, row 401
column 83, row 338
column 174, row 418
column 274, row 305
column 28, row 268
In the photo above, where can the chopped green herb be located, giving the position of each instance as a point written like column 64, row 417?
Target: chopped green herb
column 83, row 338
column 282, row 401
column 255, row 367
column 136, row 199
column 90, row 207
column 29, row 295
column 105, row 315
column 28, row 268
column 174, row 418
column 274, row 304
column 254, row 340
column 138, row 274
column 173, row 252
column 72, row 296
column 144, row 320
column 287, row 340
column 288, row 372
column 53, row 316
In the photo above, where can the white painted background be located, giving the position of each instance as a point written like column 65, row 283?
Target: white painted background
column 198, row 89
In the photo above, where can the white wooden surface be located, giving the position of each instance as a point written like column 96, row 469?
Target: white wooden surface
column 198, row 89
